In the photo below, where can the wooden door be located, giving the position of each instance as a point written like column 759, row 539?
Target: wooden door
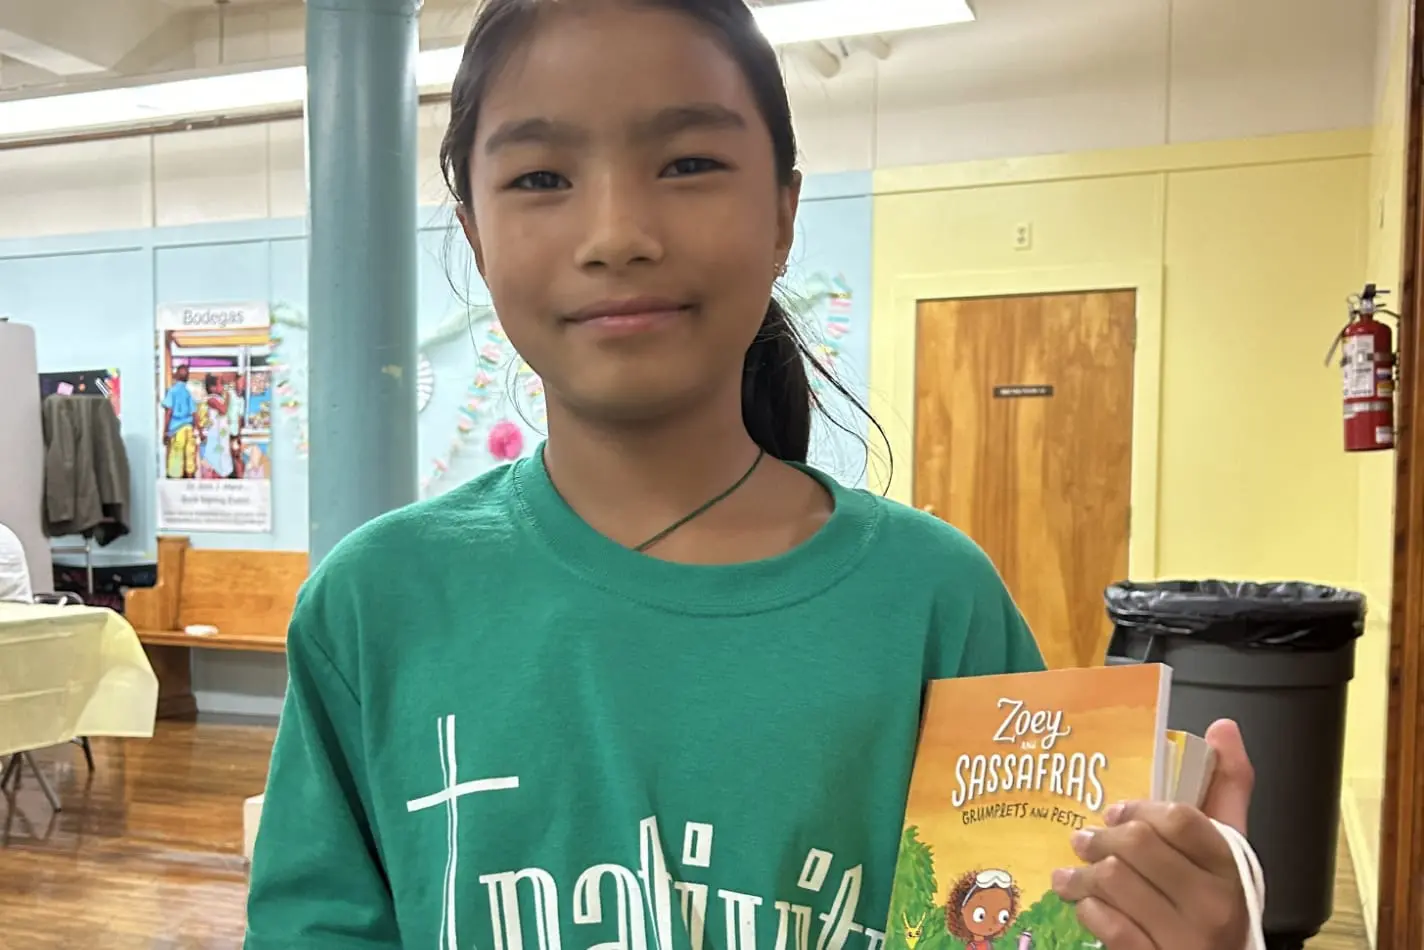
column 1400, row 920
column 1023, row 440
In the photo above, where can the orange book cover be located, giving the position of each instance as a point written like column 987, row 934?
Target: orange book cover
column 1006, row 769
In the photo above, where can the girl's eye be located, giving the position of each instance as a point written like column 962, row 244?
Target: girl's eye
column 979, row 915
column 1003, row 917
column 691, row 166
column 540, row 181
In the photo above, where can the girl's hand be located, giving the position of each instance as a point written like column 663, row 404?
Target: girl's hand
column 1160, row 876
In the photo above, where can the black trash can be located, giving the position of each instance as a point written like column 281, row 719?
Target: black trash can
column 1277, row 658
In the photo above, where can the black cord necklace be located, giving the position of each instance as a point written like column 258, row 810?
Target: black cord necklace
column 705, row 507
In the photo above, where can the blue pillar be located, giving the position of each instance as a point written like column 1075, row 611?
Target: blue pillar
column 362, row 104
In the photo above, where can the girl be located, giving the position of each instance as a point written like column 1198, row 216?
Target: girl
column 658, row 685
column 981, row 906
column 216, row 453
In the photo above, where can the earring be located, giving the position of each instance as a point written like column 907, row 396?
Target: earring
column 780, row 268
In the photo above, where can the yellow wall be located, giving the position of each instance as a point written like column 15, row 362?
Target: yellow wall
column 1244, row 253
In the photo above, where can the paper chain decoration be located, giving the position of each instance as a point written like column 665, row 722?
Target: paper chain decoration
column 504, row 388
column 835, row 325
column 503, row 384
column 425, row 384
column 288, row 379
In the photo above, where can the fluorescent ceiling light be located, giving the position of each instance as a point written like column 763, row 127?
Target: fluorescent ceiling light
column 159, row 102
column 803, row 21
column 810, row 20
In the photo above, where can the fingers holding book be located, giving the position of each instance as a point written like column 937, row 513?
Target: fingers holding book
column 1159, row 877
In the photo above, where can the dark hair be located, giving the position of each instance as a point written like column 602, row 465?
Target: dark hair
column 777, row 399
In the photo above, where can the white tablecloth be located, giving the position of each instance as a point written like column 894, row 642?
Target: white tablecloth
column 68, row 672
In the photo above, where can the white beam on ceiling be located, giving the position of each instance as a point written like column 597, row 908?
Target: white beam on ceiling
column 877, row 46
column 77, row 37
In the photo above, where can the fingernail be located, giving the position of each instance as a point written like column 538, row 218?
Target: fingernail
column 1080, row 841
column 1114, row 814
column 1061, row 878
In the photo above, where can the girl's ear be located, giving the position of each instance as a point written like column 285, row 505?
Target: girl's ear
column 472, row 235
column 790, row 201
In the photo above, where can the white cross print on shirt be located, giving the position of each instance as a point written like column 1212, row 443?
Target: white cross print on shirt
column 449, row 796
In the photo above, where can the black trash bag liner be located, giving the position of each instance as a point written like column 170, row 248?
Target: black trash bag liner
column 1285, row 616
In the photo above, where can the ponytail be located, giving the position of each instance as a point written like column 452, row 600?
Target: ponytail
column 776, row 392
column 777, row 398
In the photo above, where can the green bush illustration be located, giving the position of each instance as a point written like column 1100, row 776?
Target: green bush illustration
column 917, row 915
column 1054, row 925
column 916, row 918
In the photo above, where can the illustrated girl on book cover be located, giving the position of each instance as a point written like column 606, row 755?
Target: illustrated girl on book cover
column 981, row 907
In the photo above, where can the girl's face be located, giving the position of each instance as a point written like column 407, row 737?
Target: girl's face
column 986, row 914
column 621, row 163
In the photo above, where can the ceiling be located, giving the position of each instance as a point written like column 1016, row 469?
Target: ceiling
column 80, row 43
column 45, row 43
column 1018, row 61
column 201, row 4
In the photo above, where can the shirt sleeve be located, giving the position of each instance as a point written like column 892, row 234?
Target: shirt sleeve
column 317, row 882
column 998, row 639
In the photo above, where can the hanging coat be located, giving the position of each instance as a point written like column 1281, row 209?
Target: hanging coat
column 86, row 469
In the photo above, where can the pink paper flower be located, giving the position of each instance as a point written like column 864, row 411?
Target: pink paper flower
column 506, row 441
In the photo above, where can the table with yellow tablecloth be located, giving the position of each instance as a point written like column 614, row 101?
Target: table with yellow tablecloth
column 67, row 672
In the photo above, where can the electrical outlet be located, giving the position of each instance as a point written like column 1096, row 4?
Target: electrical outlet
column 1023, row 236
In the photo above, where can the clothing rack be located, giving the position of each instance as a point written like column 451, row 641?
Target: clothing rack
column 86, row 549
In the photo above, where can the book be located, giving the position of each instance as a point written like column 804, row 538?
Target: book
column 1006, row 769
column 1190, row 765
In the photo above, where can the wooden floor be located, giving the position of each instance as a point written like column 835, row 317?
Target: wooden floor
column 147, row 854
column 1346, row 929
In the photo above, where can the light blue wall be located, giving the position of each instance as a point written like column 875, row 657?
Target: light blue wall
column 92, row 298
column 834, row 239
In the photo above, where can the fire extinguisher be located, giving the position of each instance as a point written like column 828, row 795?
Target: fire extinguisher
column 1367, row 366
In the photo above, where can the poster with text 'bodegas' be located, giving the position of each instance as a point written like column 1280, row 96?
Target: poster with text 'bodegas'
column 214, row 417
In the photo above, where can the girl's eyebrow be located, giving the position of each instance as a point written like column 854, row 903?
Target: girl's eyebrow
column 675, row 120
column 534, row 132
column 664, row 124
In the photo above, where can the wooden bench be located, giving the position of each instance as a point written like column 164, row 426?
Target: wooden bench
column 247, row 595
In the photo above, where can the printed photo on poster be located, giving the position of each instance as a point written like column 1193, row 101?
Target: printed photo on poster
column 88, row 382
column 214, row 417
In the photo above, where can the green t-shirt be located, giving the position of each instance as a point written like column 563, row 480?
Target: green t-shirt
column 504, row 731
